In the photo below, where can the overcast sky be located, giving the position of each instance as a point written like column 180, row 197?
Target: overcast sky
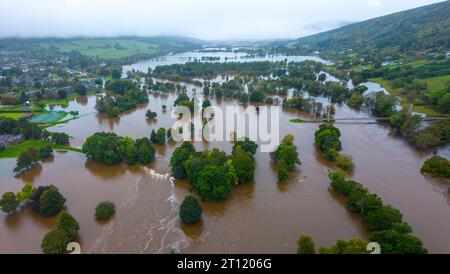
column 204, row 19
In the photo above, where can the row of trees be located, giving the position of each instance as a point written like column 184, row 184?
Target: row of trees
column 384, row 221
column 286, row 157
column 109, row 148
column 327, row 137
column 354, row 246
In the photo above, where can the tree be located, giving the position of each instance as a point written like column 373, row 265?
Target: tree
column 26, row 161
column 150, row 114
column 283, row 173
column 179, row 156
column 306, row 245
column 212, row 183
column 9, row 202
column 68, row 223
column 26, row 193
column 104, row 210
column 190, row 210
column 257, row 97
column 354, row 246
column 246, row 145
column 437, row 166
column 206, row 104
column 160, row 137
column 244, row 165
column 60, row 138
column 51, row 202
column 382, row 218
column 356, row 101
column 395, row 242
column 45, row 152
column 345, row 162
column 144, row 151
column 116, row 73
column 55, row 242
column 153, row 136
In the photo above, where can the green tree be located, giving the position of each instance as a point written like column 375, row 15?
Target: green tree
column 382, row 218
column 437, row 166
column 190, row 210
column 26, row 161
column 244, row 165
column 9, row 202
column 51, row 202
column 246, row 144
column 345, row 162
column 104, row 210
column 68, row 223
column 306, row 245
column 45, row 152
column 179, row 156
column 150, row 114
column 212, row 183
column 55, row 242
column 60, row 138
column 395, row 242
column 26, row 193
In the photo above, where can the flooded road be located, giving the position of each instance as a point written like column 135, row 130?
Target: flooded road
column 260, row 217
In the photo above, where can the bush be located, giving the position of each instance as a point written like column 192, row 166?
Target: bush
column 190, row 210
column 9, row 203
column 51, row 202
column 55, row 242
column 345, row 162
column 382, row 218
column 26, row 193
column 395, row 242
column 60, row 138
column 68, row 223
column 354, row 246
column 437, row 166
column 306, row 245
column 104, row 210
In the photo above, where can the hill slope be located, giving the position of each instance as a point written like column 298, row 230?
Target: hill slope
column 423, row 28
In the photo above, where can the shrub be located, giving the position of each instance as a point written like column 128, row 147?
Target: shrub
column 437, row 166
column 67, row 223
column 26, row 193
column 51, row 202
column 9, row 203
column 306, row 245
column 190, row 210
column 383, row 218
column 345, row 162
column 55, row 242
column 104, row 210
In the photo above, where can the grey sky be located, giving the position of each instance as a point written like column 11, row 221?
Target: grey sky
column 205, row 19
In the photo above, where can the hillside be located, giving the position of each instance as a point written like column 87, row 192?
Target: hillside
column 108, row 48
column 421, row 29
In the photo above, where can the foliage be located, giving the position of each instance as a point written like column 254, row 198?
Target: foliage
column 26, row 160
column 354, row 246
column 26, row 192
column 306, row 245
column 286, row 157
column 55, row 242
column 68, row 223
column 179, row 156
column 51, row 202
column 9, row 202
column 111, row 149
column 60, row 138
column 395, row 242
column 150, row 114
column 246, row 145
column 45, row 152
column 243, row 164
column 190, row 210
column 437, row 166
column 327, row 137
column 345, row 162
column 104, row 210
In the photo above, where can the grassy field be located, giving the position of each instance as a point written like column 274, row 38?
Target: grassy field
column 63, row 102
column 15, row 151
column 108, row 48
column 434, row 83
column 12, row 115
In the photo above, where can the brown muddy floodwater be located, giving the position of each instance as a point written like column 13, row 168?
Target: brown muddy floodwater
column 259, row 217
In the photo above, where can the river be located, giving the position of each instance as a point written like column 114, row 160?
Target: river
column 260, row 217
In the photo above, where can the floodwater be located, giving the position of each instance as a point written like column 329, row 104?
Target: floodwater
column 259, row 217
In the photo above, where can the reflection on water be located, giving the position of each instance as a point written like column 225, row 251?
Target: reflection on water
column 259, row 217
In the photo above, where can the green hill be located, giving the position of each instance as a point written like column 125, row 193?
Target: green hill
column 421, row 29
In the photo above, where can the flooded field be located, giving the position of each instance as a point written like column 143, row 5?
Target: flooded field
column 259, row 217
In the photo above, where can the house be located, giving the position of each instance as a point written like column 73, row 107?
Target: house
column 10, row 140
